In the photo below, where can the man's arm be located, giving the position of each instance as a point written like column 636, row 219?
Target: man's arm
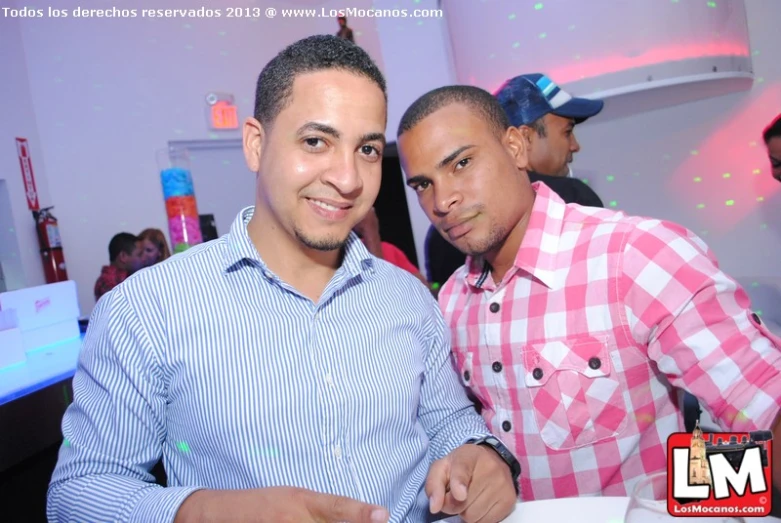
column 700, row 330
column 115, row 427
column 446, row 412
column 480, row 483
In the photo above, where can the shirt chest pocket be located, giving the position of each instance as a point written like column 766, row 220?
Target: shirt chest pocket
column 577, row 395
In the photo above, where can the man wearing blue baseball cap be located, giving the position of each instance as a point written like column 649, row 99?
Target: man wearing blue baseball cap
column 545, row 115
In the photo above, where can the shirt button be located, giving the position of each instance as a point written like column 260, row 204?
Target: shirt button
column 595, row 363
column 507, row 426
column 537, row 373
column 337, row 452
column 494, row 307
column 466, row 375
column 329, row 379
column 497, row 366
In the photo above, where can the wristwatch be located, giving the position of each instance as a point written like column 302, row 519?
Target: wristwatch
column 505, row 454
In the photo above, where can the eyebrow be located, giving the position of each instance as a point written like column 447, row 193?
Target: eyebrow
column 420, row 178
column 416, row 180
column 319, row 127
column 331, row 131
column 373, row 137
column 452, row 156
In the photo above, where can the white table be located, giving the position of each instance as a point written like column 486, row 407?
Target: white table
column 582, row 510
column 44, row 367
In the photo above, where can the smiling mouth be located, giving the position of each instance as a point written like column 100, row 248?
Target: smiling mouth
column 328, row 206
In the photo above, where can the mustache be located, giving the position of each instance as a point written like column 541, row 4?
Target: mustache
column 449, row 221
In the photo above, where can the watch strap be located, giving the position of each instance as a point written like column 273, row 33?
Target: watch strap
column 504, row 453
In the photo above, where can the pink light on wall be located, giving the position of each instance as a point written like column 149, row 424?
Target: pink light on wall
column 573, row 40
column 616, row 62
column 727, row 177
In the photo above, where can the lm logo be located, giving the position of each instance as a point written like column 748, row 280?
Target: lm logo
column 719, row 473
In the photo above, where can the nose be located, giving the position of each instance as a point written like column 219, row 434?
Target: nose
column 445, row 198
column 343, row 173
column 574, row 146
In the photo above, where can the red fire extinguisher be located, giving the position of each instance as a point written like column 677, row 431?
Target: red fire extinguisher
column 51, row 246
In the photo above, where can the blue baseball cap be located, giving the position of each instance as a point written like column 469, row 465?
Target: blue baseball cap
column 528, row 97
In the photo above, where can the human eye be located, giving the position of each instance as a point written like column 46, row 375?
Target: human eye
column 371, row 152
column 463, row 163
column 314, row 143
column 421, row 186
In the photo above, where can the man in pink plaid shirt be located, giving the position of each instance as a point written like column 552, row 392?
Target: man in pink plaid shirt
column 573, row 326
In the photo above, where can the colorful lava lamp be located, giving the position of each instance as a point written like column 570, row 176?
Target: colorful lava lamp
column 184, row 226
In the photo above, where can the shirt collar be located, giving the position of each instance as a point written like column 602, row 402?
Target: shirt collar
column 540, row 244
column 241, row 250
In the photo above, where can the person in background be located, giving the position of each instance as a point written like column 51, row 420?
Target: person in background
column 155, row 246
column 125, row 253
column 368, row 230
column 546, row 116
column 344, row 32
column 574, row 326
column 772, row 137
column 282, row 374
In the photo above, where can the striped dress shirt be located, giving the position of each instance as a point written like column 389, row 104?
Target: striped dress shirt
column 238, row 381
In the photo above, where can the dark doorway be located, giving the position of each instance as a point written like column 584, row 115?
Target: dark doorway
column 391, row 206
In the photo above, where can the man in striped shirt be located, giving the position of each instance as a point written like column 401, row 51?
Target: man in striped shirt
column 574, row 326
column 281, row 371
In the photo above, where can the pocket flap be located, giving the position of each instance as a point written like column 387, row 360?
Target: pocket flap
column 587, row 356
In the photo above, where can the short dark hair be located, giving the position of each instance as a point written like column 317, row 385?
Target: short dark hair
column 122, row 242
column 475, row 98
column 773, row 130
column 315, row 53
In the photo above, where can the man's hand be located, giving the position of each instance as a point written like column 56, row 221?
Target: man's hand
column 276, row 505
column 473, row 482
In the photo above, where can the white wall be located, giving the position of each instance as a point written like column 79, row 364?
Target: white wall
column 20, row 255
column 648, row 164
column 10, row 260
column 108, row 93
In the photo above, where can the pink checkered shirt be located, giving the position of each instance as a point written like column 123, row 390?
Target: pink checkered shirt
column 577, row 353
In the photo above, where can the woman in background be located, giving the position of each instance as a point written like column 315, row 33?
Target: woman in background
column 155, row 246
